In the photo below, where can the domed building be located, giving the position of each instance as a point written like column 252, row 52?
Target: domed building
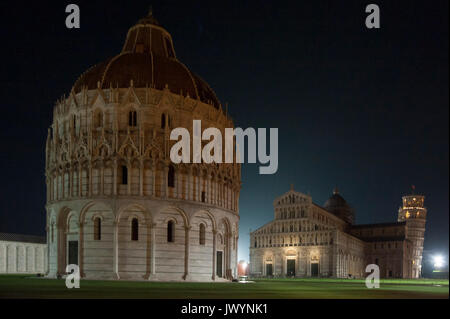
column 337, row 205
column 116, row 205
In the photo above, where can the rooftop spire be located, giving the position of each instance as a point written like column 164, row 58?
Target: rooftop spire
column 149, row 19
column 335, row 191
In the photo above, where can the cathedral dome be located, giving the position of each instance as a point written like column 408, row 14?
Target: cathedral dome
column 337, row 205
column 147, row 60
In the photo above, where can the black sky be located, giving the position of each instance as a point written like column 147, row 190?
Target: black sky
column 366, row 110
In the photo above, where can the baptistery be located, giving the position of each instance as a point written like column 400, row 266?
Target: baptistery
column 117, row 206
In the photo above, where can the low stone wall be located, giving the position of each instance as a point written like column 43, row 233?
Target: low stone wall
column 22, row 257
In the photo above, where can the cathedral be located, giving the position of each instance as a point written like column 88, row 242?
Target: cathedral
column 116, row 205
column 309, row 240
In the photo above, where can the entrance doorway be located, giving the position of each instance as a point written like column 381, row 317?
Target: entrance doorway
column 219, row 263
column 73, row 252
column 269, row 270
column 314, row 270
column 290, row 267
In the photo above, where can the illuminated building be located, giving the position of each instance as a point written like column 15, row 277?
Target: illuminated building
column 116, row 205
column 309, row 240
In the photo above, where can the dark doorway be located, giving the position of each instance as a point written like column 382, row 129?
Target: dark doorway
column 269, row 270
column 315, row 270
column 73, row 252
column 290, row 267
column 219, row 264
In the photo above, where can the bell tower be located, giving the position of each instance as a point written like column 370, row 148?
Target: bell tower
column 414, row 214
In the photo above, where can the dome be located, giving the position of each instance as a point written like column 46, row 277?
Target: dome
column 147, row 60
column 338, row 206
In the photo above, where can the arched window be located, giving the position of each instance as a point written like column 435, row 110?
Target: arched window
column 134, row 229
column 132, row 118
column 163, row 120
column 202, row 232
column 171, row 177
column 203, row 197
column 98, row 119
column 170, row 231
column 124, row 175
column 97, row 228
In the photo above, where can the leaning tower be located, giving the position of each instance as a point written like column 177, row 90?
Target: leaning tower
column 116, row 205
column 414, row 214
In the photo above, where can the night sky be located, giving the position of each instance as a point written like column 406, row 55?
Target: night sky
column 366, row 110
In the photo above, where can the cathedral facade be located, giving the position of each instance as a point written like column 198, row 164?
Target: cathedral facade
column 116, row 205
column 309, row 240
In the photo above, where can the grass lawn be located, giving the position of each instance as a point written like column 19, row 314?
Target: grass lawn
column 25, row 286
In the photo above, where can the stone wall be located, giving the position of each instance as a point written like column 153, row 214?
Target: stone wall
column 25, row 258
column 149, row 256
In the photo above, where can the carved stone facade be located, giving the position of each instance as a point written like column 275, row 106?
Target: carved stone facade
column 116, row 204
column 307, row 240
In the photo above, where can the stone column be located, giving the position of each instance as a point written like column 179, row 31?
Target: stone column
column 199, row 188
column 178, row 184
column 148, row 251
column 63, row 184
column 153, row 249
column 80, row 179
column 141, row 177
column 214, row 254
column 116, row 250
column 16, row 250
column 61, row 255
column 186, row 252
column 102, row 182
column 114, row 186
column 228, row 253
column 57, row 185
column 49, row 248
column 209, row 190
column 189, row 184
column 70, row 182
column 81, row 252
column 6, row 258
column 308, row 264
column 153, row 179
column 90, row 180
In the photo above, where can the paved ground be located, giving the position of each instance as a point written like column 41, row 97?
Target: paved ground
column 23, row 286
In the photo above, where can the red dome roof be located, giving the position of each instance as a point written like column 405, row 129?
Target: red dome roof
column 148, row 59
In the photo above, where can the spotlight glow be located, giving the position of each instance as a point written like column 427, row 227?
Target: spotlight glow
column 438, row 261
